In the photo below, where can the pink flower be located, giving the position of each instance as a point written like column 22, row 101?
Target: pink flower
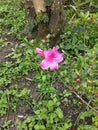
column 52, row 58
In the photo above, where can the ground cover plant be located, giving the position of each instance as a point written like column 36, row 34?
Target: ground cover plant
column 36, row 98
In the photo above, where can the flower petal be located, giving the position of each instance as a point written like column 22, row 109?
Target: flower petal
column 44, row 64
column 55, row 50
column 40, row 52
column 54, row 66
column 47, row 53
column 58, row 58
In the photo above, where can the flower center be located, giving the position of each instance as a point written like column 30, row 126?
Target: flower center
column 51, row 56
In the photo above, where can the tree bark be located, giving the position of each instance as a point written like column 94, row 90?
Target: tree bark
column 57, row 17
column 39, row 6
column 56, row 21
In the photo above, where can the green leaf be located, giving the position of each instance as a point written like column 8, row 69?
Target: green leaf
column 59, row 113
column 39, row 127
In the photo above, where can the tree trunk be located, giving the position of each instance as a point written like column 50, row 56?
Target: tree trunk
column 37, row 9
column 39, row 6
